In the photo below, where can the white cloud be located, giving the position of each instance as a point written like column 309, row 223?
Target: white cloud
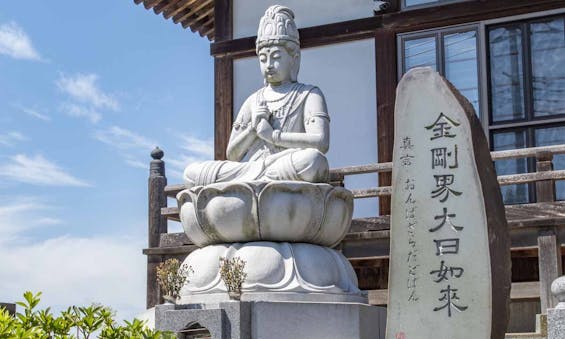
column 84, row 88
column 75, row 110
column 202, row 147
column 68, row 270
column 21, row 214
column 132, row 146
column 135, row 149
column 14, row 42
column 124, row 139
column 33, row 113
column 177, row 165
column 136, row 163
column 193, row 150
column 38, row 171
column 77, row 271
column 10, row 138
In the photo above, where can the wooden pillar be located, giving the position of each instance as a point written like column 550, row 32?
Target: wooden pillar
column 223, row 79
column 385, row 53
column 157, row 223
column 548, row 242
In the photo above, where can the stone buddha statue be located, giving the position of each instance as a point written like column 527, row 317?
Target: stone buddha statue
column 269, row 203
column 282, row 130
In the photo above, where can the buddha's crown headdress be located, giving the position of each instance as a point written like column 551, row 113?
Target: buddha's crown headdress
column 277, row 25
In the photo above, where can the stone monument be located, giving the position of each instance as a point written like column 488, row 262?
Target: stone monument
column 556, row 316
column 450, row 258
column 270, row 205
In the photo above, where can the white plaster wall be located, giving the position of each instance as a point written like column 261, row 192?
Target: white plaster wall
column 246, row 13
column 345, row 73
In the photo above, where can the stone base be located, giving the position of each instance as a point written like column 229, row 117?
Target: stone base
column 555, row 323
column 275, row 320
column 294, row 272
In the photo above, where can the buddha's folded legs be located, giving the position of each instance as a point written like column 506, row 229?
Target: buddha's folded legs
column 294, row 164
column 301, row 165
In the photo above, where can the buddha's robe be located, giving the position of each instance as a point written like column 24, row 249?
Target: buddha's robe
column 263, row 160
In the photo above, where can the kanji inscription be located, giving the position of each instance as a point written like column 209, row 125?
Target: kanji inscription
column 440, row 276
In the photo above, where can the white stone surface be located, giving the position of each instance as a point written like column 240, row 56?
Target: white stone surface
column 277, row 320
column 419, row 299
column 276, row 211
column 558, row 290
column 281, row 131
column 275, row 271
column 556, row 323
column 352, row 108
column 246, row 13
column 317, row 321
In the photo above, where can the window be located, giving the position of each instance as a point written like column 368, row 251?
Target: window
column 453, row 53
column 413, row 3
column 526, row 62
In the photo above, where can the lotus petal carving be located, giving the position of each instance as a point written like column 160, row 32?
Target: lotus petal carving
column 286, row 269
column 290, row 211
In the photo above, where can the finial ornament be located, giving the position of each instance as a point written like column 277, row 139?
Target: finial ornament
column 277, row 25
column 157, row 153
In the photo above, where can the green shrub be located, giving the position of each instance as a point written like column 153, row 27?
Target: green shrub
column 74, row 323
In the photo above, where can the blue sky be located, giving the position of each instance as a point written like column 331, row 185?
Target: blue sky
column 87, row 89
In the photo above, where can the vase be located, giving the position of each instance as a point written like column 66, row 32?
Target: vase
column 234, row 295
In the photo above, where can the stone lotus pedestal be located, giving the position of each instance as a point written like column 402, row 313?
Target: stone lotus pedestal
column 282, row 230
column 275, row 272
column 296, row 286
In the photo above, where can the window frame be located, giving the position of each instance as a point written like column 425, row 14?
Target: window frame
column 529, row 118
column 529, row 123
column 439, row 35
column 405, row 7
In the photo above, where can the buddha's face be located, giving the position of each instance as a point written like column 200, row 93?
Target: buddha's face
column 276, row 64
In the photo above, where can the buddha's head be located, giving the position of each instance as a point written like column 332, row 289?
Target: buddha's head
column 278, row 45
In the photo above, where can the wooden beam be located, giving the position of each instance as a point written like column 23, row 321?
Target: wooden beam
column 181, row 5
column 464, row 12
column 205, row 27
column 519, row 216
column 519, row 291
column 309, row 37
column 202, row 15
column 191, row 11
column 209, row 33
column 385, row 55
column 150, row 3
column 403, row 21
column 163, row 5
column 549, row 266
column 223, row 80
column 168, row 251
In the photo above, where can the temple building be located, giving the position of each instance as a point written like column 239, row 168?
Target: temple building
column 507, row 57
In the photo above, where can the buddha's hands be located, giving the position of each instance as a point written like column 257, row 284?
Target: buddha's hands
column 261, row 112
column 265, row 131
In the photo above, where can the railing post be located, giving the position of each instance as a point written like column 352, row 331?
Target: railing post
column 157, row 223
column 545, row 189
column 548, row 243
